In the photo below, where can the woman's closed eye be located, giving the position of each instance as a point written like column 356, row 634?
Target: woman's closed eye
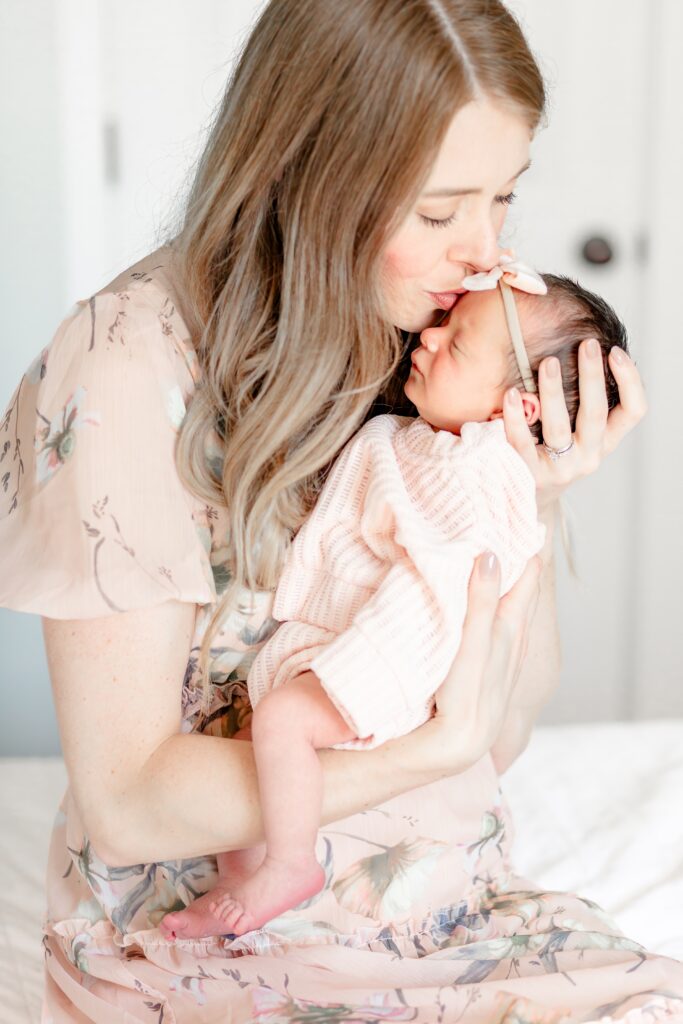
column 444, row 222
column 435, row 223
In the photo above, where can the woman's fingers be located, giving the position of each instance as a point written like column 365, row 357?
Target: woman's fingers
column 477, row 689
column 482, row 605
column 632, row 400
column 591, row 419
column 557, row 431
column 477, row 633
column 516, row 611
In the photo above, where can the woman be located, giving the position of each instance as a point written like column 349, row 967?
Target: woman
column 360, row 166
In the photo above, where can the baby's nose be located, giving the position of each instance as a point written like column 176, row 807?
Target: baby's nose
column 431, row 337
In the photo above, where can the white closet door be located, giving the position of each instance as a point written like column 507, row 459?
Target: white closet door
column 165, row 66
column 587, row 182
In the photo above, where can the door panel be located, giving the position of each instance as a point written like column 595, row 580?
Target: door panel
column 587, row 180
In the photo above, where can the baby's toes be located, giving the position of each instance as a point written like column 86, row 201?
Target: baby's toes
column 223, row 907
column 232, row 915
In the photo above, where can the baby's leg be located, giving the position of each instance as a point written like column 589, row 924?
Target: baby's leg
column 288, row 726
column 236, row 865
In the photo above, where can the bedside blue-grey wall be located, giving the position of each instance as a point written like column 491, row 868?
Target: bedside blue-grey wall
column 28, row 727
column 33, row 299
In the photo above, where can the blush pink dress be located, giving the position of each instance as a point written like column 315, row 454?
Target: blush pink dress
column 422, row 917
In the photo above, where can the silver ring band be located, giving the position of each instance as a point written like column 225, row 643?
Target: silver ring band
column 557, row 453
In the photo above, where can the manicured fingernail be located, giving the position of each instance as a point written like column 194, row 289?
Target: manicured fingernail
column 552, row 367
column 592, row 348
column 618, row 355
column 488, row 565
column 512, row 397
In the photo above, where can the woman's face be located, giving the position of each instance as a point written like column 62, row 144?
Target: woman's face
column 453, row 228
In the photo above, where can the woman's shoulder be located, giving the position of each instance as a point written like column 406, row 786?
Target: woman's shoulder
column 94, row 516
column 140, row 308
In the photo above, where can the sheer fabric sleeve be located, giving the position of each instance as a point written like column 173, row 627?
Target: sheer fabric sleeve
column 94, row 518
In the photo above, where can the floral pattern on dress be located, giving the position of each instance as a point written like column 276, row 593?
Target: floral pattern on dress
column 56, row 439
column 421, row 917
column 385, row 884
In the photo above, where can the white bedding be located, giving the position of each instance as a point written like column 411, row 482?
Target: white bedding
column 598, row 811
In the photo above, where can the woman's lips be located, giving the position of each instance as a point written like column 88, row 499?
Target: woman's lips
column 446, row 300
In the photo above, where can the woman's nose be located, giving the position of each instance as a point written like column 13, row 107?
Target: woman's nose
column 480, row 251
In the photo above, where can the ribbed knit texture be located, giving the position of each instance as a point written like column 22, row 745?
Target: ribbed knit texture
column 373, row 594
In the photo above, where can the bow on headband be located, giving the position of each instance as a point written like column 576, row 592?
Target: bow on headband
column 511, row 273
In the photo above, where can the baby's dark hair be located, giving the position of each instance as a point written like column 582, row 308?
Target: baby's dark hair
column 556, row 324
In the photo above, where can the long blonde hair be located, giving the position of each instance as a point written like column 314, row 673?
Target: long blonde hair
column 326, row 132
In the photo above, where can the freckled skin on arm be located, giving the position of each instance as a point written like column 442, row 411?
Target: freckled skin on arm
column 144, row 791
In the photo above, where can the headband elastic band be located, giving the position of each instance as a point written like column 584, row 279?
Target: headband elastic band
column 515, row 329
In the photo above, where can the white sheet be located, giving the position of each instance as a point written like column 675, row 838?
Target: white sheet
column 597, row 808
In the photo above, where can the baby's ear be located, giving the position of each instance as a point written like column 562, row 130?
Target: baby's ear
column 532, row 407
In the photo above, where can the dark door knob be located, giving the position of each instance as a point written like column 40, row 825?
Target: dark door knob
column 597, row 250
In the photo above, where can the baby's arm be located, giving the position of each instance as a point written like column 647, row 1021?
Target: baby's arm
column 385, row 667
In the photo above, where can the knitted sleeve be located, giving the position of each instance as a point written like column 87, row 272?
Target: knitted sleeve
column 385, row 668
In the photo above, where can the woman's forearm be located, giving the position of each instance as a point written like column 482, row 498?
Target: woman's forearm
column 198, row 795
column 540, row 671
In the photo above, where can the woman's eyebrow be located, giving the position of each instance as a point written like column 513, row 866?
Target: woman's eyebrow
column 443, row 192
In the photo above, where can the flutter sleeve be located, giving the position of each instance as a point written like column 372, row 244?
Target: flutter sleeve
column 94, row 518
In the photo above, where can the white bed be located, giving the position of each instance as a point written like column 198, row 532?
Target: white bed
column 598, row 810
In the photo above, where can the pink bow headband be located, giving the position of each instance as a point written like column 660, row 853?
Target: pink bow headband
column 511, row 273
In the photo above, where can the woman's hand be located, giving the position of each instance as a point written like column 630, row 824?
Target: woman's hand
column 597, row 433
column 472, row 701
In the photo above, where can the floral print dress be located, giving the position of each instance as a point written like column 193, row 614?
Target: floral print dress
column 421, row 917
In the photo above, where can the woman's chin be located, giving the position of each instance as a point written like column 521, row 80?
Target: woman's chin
column 415, row 324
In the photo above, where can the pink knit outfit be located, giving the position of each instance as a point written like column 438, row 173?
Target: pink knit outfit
column 374, row 589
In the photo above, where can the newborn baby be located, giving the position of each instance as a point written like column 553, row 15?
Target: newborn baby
column 373, row 593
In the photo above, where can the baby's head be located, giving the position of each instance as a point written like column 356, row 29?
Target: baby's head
column 462, row 369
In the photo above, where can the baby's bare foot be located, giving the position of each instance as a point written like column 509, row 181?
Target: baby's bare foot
column 199, row 919
column 235, row 907
column 274, row 888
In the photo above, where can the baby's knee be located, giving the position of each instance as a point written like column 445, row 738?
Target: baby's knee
column 275, row 712
column 287, row 710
